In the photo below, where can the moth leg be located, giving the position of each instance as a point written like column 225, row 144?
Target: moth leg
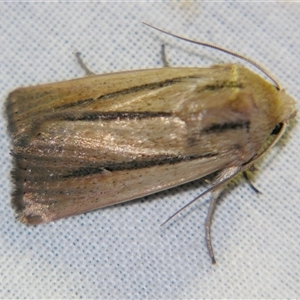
column 164, row 57
column 87, row 71
column 208, row 222
column 256, row 190
column 222, row 176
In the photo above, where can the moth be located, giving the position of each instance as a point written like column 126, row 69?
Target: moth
column 87, row 143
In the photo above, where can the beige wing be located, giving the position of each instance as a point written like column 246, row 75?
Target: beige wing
column 84, row 144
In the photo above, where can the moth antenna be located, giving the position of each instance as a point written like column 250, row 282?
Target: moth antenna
column 245, row 58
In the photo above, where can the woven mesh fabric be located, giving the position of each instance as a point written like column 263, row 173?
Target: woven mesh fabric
column 121, row 251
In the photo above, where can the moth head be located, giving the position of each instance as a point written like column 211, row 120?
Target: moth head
column 287, row 107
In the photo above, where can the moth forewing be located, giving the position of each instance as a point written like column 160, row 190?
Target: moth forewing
column 83, row 144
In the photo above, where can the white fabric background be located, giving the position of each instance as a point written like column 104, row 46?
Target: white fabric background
column 121, row 251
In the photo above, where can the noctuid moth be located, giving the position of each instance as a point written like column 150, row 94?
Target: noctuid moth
column 87, row 143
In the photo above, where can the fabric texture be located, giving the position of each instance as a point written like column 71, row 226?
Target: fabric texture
column 122, row 251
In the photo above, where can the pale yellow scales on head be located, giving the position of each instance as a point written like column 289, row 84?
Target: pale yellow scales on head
column 87, row 143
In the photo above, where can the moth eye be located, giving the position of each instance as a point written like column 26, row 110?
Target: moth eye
column 277, row 129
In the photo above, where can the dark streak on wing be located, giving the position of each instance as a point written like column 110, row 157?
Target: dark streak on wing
column 224, row 84
column 155, row 161
column 107, row 116
column 218, row 128
column 134, row 89
column 152, row 86
column 86, row 116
